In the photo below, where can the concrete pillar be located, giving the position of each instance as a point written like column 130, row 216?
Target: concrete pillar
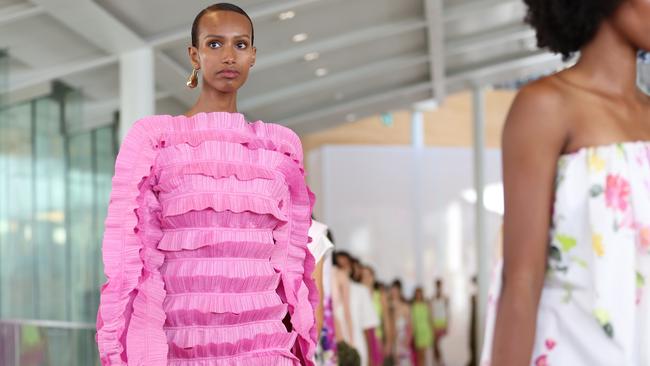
column 137, row 87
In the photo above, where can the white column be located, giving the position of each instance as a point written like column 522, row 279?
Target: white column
column 417, row 129
column 417, row 142
column 482, row 251
column 137, row 87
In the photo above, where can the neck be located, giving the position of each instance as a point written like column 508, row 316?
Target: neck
column 212, row 100
column 609, row 63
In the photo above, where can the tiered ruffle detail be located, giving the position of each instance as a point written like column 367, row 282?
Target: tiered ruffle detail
column 205, row 247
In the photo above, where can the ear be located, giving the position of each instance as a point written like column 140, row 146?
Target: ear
column 193, row 54
column 254, row 56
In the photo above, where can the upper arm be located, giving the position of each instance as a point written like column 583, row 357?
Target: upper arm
column 533, row 138
column 318, row 278
column 345, row 286
column 318, row 275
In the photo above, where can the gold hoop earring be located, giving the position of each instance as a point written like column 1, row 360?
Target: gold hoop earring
column 193, row 79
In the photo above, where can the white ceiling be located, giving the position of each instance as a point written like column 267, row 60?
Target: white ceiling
column 380, row 54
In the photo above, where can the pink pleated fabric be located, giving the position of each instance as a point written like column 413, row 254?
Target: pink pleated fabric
column 205, row 246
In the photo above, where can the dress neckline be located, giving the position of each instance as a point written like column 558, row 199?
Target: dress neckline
column 606, row 146
column 207, row 114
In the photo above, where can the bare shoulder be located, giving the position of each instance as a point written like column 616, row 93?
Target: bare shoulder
column 539, row 113
column 543, row 99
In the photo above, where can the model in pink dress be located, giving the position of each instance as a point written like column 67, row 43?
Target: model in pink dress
column 205, row 247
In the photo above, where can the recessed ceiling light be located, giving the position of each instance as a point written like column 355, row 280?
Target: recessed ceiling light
column 300, row 37
column 287, row 15
column 311, row 56
column 320, row 72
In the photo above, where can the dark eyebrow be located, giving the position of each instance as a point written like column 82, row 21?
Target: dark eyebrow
column 218, row 36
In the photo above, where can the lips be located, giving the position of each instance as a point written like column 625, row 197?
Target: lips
column 229, row 74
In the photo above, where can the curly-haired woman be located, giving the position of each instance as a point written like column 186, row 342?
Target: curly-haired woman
column 576, row 157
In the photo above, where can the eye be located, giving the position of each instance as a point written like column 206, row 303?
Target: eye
column 242, row 45
column 214, row 44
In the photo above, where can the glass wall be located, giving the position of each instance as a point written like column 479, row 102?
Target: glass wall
column 54, row 189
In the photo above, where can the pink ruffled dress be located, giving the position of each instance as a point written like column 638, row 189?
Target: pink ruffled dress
column 205, row 246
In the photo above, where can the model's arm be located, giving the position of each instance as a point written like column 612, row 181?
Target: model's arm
column 533, row 139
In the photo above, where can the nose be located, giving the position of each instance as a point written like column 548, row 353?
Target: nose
column 228, row 56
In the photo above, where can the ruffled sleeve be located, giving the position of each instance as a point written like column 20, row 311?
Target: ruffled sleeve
column 297, row 263
column 131, row 298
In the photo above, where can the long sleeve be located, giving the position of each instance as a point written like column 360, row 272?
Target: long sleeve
column 129, row 254
column 294, row 259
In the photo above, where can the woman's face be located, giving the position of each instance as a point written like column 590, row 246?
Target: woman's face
column 419, row 295
column 632, row 19
column 344, row 263
column 367, row 276
column 395, row 293
column 224, row 51
column 357, row 271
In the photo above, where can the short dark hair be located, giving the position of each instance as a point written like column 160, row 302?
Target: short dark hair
column 566, row 26
column 219, row 7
